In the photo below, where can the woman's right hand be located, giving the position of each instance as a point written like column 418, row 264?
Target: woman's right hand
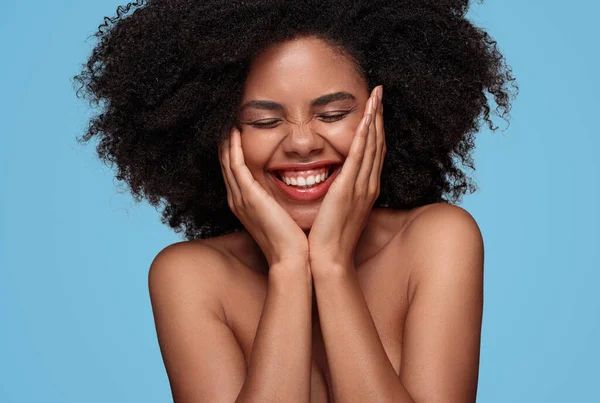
column 277, row 234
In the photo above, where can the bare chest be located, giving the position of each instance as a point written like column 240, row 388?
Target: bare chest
column 384, row 283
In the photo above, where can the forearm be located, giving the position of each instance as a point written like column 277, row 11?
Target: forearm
column 360, row 370
column 280, row 362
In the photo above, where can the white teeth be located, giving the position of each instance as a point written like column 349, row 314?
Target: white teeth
column 304, row 182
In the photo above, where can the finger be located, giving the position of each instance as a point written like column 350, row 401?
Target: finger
column 231, row 180
column 363, row 177
column 222, row 147
column 243, row 176
column 353, row 160
column 375, row 178
column 355, row 154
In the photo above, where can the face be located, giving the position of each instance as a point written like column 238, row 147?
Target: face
column 297, row 119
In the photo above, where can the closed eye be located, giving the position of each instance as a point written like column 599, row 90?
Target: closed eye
column 262, row 125
column 333, row 118
column 325, row 118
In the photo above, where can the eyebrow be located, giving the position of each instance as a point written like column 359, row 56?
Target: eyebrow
column 320, row 101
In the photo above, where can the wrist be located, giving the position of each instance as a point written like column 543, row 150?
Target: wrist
column 328, row 268
column 290, row 270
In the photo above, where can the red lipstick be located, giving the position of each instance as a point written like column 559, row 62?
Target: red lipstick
column 305, row 194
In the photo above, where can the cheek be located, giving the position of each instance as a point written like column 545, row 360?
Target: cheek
column 256, row 150
column 342, row 134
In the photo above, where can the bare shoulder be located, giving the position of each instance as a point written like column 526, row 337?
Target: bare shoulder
column 195, row 270
column 202, row 357
column 443, row 250
column 441, row 218
column 443, row 240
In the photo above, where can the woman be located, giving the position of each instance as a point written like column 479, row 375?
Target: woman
column 323, row 261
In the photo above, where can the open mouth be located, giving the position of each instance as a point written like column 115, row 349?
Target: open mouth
column 330, row 171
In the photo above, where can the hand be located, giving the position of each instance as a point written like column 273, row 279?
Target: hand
column 277, row 234
column 346, row 207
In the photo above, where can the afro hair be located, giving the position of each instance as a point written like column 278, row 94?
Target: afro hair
column 168, row 77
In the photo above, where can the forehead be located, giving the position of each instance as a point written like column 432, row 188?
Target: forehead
column 305, row 66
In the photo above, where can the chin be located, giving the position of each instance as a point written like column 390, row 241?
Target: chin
column 304, row 219
column 306, row 226
column 303, row 215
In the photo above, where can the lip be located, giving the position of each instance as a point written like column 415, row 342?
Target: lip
column 303, row 167
column 308, row 194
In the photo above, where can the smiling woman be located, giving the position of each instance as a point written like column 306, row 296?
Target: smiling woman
column 302, row 104
column 310, row 213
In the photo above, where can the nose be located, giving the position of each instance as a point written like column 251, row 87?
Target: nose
column 302, row 140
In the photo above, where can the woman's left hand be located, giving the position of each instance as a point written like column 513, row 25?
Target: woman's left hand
column 345, row 209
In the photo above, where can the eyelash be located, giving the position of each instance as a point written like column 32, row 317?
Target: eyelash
column 269, row 125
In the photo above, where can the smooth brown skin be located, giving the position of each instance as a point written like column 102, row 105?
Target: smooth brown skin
column 236, row 323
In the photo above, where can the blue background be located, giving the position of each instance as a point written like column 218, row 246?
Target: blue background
column 75, row 315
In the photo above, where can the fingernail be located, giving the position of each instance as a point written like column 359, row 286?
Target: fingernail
column 368, row 119
column 380, row 92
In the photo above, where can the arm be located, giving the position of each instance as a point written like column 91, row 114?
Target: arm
column 440, row 356
column 203, row 359
column 280, row 366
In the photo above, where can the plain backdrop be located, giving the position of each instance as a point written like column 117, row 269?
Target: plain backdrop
column 75, row 317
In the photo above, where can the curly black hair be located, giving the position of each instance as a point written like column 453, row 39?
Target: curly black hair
column 168, row 76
